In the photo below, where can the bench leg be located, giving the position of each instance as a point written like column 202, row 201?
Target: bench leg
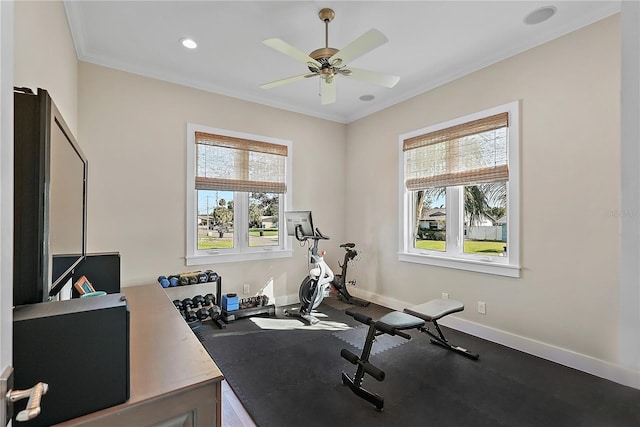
column 375, row 399
column 441, row 340
column 364, row 367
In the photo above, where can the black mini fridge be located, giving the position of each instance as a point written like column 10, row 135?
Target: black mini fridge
column 80, row 348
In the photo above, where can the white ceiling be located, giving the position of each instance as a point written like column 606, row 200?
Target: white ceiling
column 430, row 43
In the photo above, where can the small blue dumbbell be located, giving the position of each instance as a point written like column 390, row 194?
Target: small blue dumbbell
column 163, row 281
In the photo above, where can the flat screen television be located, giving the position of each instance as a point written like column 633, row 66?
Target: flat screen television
column 301, row 220
column 50, row 199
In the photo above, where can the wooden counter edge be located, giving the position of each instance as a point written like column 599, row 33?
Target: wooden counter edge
column 151, row 310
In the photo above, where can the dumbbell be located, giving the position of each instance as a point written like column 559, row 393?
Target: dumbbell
column 198, row 300
column 215, row 312
column 187, row 303
column 178, row 304
column 174, row 280
column 188, row 279
column 163, row 282
column 190, row 316
column 202, row 313
column 209, row 299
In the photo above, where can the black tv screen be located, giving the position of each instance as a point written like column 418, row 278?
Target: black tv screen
column 67, row 207
column 50, row 199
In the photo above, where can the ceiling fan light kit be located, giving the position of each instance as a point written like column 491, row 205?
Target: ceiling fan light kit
column 327, row 62
column 188, row 43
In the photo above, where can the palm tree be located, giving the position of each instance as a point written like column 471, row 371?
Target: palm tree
column 424, row 198
column 478, row 200
column 475, row 203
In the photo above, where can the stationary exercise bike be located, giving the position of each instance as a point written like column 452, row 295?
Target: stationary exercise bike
column 308, row 286
column 321, row 280
column 317, row 284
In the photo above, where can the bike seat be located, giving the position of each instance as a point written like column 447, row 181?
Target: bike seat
column 348, row 245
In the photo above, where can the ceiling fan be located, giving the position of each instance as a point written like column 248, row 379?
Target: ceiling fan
column 328, row 62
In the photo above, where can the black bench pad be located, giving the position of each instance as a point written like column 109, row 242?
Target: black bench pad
column 400, row 320
column 435, row 309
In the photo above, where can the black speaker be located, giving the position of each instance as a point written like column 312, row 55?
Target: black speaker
column 101, row 269
column 80, row 348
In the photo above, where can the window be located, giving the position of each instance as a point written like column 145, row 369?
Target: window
column 237, row 190
column 459, row 193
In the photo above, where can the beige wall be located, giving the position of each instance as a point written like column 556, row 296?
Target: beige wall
column 44, row 55
column 133, row 131
column 567, row 295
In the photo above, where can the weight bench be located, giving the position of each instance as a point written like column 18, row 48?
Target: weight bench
column 394, row 323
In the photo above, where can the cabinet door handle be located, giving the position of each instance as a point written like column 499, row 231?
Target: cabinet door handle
column 33, row 404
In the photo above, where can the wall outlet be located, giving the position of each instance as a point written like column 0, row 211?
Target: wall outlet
column 245, row 288
column 445, row 295
column 482, row 307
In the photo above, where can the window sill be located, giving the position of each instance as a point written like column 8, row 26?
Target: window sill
column 218, row 258
column 479, row 266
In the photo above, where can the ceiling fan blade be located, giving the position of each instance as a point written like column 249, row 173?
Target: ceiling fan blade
column 287, row 80
column 374, row 77
column 287, row 49
column 363, row 44
column 327, row 92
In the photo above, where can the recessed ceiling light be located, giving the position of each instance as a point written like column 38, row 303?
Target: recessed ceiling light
column 367, row 98
column 188, row 43
column 540, row 15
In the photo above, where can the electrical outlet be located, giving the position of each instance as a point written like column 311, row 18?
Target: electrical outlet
column 445, row 295
column 482, row 307
column 246, row 288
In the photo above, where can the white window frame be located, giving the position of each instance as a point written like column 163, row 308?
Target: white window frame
column 454, row 257
column 240, row 251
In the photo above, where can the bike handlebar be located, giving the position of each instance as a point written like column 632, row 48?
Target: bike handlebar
column 317, row 235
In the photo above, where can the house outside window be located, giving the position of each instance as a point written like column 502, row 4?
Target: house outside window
column 237, row 187
column 459, row 193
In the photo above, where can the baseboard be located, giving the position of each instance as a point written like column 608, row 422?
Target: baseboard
column 563, row 356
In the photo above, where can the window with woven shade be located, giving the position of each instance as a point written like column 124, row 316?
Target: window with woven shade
column 237, row 164
column 237, row 186
column 460, row 192
column 469, row 153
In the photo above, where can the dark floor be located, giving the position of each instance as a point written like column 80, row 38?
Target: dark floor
column 287, row 373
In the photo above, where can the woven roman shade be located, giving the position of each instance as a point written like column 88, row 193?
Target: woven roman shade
column 228, row 163
column 469, row 153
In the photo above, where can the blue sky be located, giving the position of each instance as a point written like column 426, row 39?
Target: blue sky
column 210, row 198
